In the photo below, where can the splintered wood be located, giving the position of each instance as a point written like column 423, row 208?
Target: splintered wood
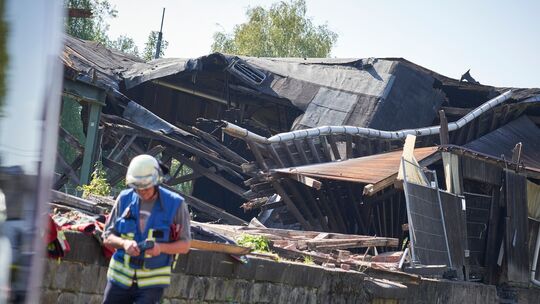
column 323, row 248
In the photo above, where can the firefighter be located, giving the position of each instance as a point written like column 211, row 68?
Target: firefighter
column 148, row 227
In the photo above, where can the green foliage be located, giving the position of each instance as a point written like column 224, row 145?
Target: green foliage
column 281, row 31
column 125, row 44
column 256, row 242
column 308, row 260
column 98, row 185
column 150, row 46
column 94, row 28
column 70, row 120
column 186, row 187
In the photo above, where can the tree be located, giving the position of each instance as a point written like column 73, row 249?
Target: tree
column 150, row 46
column 125, row 44
column 94, row 28
column 281, row 31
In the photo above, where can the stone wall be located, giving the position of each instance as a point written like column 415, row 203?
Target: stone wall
column 204, row 277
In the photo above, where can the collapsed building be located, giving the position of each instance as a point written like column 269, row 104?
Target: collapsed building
column 448, row 170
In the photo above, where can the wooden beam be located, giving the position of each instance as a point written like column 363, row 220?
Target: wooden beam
column 219, row 247
column 312, row 212
column 443, row 135
column 204, row 207
column 290, row 205
column 211, row 175
column 313, row 150
column 453, row 111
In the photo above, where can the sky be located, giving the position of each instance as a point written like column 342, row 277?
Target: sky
column 498, row 40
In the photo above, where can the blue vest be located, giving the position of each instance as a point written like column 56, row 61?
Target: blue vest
column 146, row 271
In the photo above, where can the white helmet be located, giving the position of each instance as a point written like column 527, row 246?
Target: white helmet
column 143, row 172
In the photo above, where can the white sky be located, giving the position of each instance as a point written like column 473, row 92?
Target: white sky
column 498, row 40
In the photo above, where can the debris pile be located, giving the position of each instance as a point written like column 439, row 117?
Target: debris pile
column 407, row 169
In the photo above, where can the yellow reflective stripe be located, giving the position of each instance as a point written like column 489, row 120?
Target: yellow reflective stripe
column 119, row 266
column 165, row 280
column 119, row 277
column 144, row 273
column 128, row 236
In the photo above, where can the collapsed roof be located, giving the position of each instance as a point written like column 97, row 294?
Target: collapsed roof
column 178, row 107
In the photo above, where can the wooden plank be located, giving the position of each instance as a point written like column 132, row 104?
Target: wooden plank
column 312, row 214
column 300, row 148
column 219, row 247
column 443, row 135
column 355, row 203
column 76, row 202
column 516, row 236
column 179, row 143
column 494, row 237
column 352, row 243
column 183, row 179
column 275, row 156
column 313, row 149
column 211, row 175
column 333, row 146
column 70, row 139
column 289, row 153
column 336, row 212
column 326, row 148
column 257, row 153
column 290, row 205
column 349, row 146
column 335, row 195
column 67, row 169
column 222, row 149
column 75, row 165
column 209, row 209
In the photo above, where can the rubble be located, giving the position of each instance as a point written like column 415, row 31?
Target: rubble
column 318, row 145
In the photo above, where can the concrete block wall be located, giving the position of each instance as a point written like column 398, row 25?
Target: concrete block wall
column 205, row 277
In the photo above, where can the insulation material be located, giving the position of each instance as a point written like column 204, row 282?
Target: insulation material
column 451, row 172
column 533, row 200
column 412, row 169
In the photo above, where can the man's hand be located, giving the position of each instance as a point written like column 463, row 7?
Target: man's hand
column 154, row 251
column 131, row 248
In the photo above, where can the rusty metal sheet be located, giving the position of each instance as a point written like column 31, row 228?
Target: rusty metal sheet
column 369, row 169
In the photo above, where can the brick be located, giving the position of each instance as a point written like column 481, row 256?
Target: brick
column 259, row 293
column 74, row 277
column 49, row 296
column 90, row 279
column 210, row 293
column 67, row 297
column 60, row 276
column 241, row 291
column 197, row 288
column 49, row 273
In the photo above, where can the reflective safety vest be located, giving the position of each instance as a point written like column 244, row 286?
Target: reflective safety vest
column 146, row 271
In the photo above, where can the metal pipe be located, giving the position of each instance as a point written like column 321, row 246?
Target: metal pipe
column 373, row 133
column 236, row 131
column 535, row 260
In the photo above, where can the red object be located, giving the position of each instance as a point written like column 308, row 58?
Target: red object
column 86, row 228
column 57, row 245
column 174, row 232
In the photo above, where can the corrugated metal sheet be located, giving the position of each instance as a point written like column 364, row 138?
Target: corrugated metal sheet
column 368, row 170
column 503, row 140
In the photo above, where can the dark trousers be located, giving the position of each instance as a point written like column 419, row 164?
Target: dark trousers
column 115, row 294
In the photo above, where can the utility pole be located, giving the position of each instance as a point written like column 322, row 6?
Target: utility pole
column 160, row 36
